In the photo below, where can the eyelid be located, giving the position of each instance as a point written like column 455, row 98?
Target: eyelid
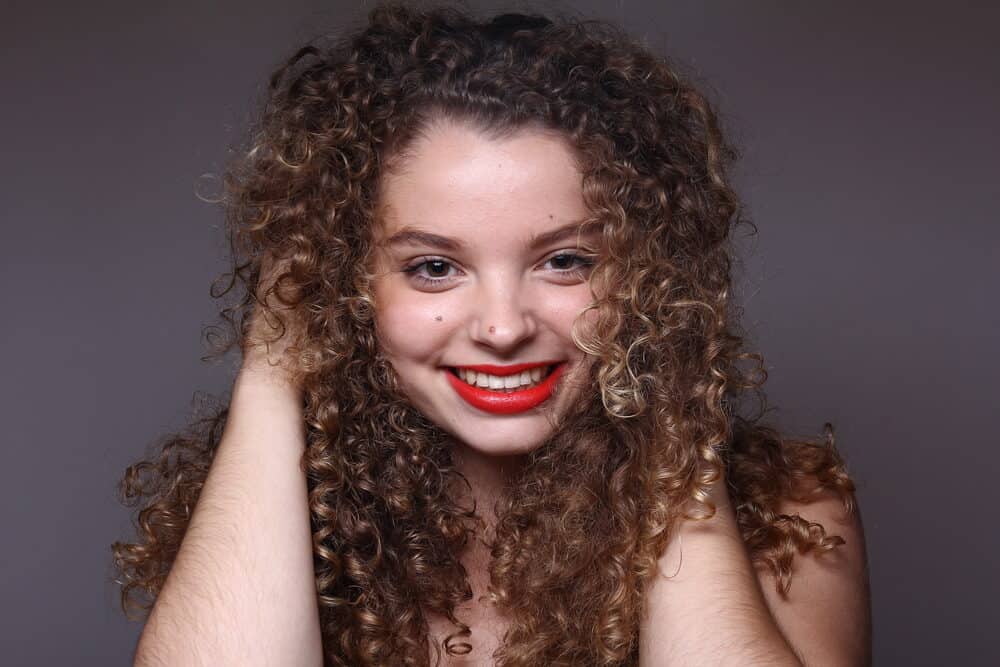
column 581, row 253
column 574, row 250
column 417, row 262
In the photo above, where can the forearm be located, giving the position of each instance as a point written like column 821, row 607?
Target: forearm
column 242, row 588
column 712, row 612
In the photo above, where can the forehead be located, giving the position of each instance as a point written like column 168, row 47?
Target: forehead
column 458, row 180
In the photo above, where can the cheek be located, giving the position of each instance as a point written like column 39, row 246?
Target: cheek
column 562, row 309
column 409, row 330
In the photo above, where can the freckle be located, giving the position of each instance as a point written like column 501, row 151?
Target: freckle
column 438, row 318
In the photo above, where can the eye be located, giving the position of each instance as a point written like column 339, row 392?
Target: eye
column 571, row 264
column 430, row 272
column 436, row 268
column 564, row 261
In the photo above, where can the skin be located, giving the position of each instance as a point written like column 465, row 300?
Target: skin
column 499, row 299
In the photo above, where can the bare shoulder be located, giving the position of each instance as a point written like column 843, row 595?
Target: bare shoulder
column 826, row 614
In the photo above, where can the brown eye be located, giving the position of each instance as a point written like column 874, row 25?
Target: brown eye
column 569, row 262
column 437, row 268
column 432, row 272
column 563, row 262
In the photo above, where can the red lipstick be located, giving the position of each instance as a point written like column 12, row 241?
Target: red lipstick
column 505, row 403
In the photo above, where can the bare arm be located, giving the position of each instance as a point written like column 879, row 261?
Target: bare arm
column 716, row 612
column 712, row 612
column 242, row 589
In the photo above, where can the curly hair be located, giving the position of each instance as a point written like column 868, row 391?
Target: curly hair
column 580, row 529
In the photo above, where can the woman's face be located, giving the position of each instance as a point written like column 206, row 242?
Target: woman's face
column 482, row 268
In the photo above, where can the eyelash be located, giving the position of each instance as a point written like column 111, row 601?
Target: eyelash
column 584, row 263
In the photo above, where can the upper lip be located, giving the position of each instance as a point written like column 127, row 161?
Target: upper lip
column 507, row 370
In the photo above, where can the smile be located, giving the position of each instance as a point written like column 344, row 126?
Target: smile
column 514, row 389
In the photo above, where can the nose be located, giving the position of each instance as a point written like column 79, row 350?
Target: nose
column 503, row 318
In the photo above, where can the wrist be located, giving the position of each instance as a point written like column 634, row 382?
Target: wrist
column 266, row 376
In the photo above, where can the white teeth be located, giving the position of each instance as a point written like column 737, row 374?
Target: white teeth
column 523, row 380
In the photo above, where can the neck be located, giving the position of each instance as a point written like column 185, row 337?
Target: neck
column 487, row 475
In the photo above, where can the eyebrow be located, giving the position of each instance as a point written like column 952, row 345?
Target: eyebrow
column 410, row 235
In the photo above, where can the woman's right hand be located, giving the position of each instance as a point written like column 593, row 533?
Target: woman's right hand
column 264, row 353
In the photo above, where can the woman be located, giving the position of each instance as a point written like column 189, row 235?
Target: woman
column 488, row 401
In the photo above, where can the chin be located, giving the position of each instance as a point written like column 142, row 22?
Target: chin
column 506, row 436
column 501, row 447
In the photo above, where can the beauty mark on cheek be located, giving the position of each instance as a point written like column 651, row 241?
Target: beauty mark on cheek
column 438, row 318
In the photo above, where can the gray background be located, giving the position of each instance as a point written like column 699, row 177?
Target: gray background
column 870, row 142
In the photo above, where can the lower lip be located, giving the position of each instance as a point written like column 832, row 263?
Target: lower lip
column 499, row 403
